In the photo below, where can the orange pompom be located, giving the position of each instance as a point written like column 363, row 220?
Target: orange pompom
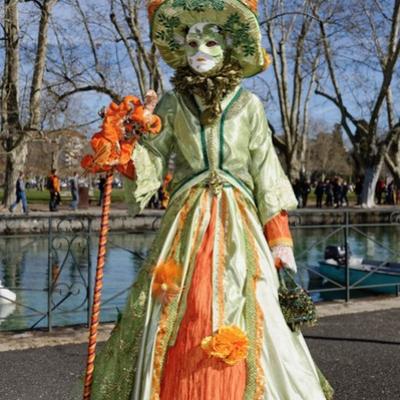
column 167, row 279
column 267, row 60
column 229, row 343
column 252, row 4
column 152, row 7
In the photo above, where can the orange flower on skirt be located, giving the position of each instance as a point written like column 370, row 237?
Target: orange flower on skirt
column 167, row 279
column 229, row 343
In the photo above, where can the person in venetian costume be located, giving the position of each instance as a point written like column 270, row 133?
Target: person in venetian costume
column 203, row 320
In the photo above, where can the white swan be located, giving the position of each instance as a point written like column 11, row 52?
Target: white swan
column 6, row 295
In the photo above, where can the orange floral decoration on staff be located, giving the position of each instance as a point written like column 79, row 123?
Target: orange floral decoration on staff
column 122, row 123
column 113, row 146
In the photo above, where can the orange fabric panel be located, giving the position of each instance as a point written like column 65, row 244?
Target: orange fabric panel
column 277, row 230
column 189, row 374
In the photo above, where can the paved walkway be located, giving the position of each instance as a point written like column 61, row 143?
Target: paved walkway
column 359, row 354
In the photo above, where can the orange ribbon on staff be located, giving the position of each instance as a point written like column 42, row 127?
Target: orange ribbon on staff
column 113, row 147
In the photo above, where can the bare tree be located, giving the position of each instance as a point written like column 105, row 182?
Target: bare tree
column 295, row 56
column 15, row 127
column 115, row 44
column 135, row 37
column 327, row 155
column 372, row 44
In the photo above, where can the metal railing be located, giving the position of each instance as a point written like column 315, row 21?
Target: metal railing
column 68, row 288
column 346, row 223
column 70, row 275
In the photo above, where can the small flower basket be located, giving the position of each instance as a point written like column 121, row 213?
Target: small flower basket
column 296, row 304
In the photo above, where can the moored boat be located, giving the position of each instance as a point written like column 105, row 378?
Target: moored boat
column 374, row 275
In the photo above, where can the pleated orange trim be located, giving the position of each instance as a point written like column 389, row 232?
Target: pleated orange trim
column 161, row 340
column 189, row 374
column 260, row 378
column 221, row 261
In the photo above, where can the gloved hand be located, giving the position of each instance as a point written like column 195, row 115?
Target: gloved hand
column 283, row 257
column 279, row 238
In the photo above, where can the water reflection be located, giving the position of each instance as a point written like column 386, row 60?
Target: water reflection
column 373, row 243
column 24, row 269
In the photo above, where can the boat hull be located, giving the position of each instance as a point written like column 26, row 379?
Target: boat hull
column 337, row 273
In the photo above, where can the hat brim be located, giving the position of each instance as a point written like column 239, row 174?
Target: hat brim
column 172, row 19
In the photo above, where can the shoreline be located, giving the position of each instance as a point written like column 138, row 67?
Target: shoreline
column 38, row 222
column 23, row 340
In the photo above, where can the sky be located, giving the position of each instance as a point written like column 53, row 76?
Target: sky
column 74, row 43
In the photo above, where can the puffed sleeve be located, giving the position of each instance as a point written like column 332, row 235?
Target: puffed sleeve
column 272, row 189
column 150, row 158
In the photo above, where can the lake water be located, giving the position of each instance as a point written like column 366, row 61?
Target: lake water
column 24, row 269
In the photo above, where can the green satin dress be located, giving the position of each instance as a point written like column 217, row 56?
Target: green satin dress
column 234, row 162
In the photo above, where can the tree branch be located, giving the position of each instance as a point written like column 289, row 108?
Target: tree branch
column 40, row 62
column 91, row 42
column 128, row 48
column 340, row 106
column 91, row 88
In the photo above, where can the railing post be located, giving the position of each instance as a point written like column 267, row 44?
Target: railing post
column 90, row 272
column 346, row 247
column 49, row 275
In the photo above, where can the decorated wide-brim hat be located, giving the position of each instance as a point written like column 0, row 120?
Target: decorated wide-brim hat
column 170, row 21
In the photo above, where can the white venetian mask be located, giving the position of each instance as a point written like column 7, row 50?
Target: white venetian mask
column 204, row 47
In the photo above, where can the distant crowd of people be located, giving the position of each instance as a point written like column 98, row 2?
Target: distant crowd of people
column 387, row 193
column 53, row 185
column 331, row 192
column 334, row 192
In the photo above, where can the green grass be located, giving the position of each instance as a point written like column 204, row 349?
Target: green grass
column 37, row 196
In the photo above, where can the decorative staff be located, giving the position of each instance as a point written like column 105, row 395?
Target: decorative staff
column 113, row 146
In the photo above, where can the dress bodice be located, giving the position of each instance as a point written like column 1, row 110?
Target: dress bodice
column 236, row 149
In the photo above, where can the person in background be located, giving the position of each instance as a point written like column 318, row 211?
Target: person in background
column 329, row 193
column 74, row 187
column 397, row 190
column 345, row 191
column 155, row 201
column 337, row 192
column 390, row 193
column 297, row 188
column 21, row 194
column 319, row 193
column 53, row 185
column 358, row 190
column 305, row 191
column 101, row 185
column 379, row 190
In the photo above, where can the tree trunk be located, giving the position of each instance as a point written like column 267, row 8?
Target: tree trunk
column 392, row 160
column 372, row 172
column 15, row 163
column 294, row 169
column 303, row 156
column 55, row 156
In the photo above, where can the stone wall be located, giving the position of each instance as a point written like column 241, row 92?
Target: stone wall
column 38, row 222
